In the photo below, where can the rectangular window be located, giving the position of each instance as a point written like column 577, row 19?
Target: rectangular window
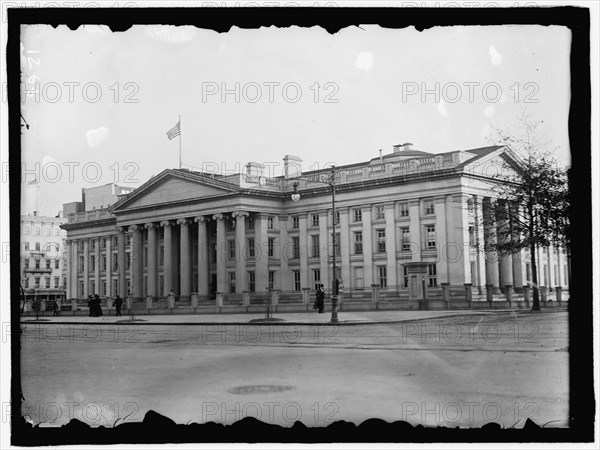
column 37, row 282
column 38, row 230
column 26, row 263
column 232, row 282
column 405, row 239
column 37, row 263
column 337, row 244
column 405, row 275
column 231, row 248
column 230, row 224
column 297, row 280
column 48, row 262
column 115, row 241
column 57, row 263
column 271, row 247
column 129, row 240
column 358, row 242
column 432, row 271
column 382, row 275
column 270, row 222
column 472, row 236
column 128, row 264
column 81, row 289
column 103, row 290
column 103, row 267
column 47, row 281
column 37, row 246
column 80, row 265
column 251, row 281
column 161, row 255
column 379, row 212
column 337, row 217
column 26, row 283
column 271, row 279
column 115, row 287
column 429, row 207
column 26, row 230
column 295, row 222
column 92, row 287
column 92, row 245
column 47, row 231
column 250, row 223
column 314, row 248
column 57, row 231
column 251, row 249
column 317, row 278
column 103, row 243
column 92, row 263
column 314, row 220
column 295, row 247
column 430, row 236
column 26, row 246
column 80, row 246
column 357, row 215
column 64, row 282
column 380, row 240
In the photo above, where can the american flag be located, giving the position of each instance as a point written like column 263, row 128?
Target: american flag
column 175, row 131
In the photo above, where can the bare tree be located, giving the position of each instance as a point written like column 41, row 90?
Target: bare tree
column 531, row 206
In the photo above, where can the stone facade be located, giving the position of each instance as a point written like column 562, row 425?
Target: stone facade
column 204, row 236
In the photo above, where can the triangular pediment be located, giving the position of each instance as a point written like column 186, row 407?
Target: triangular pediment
column 499, row 163
column 171, row 187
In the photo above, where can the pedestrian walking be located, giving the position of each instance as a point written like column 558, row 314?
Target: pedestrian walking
column 98, row 307
column 54, row 309
column 320, row 299
column 117, row 304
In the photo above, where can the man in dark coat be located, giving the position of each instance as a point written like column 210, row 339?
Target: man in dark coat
column 117, row 304
column 321, row 299
column 98, row 308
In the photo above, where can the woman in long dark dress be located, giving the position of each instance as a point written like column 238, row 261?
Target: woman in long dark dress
column 97, row 307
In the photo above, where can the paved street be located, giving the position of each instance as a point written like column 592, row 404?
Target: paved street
column 436, row 368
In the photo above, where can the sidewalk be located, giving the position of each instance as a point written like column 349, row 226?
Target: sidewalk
column 303, row 318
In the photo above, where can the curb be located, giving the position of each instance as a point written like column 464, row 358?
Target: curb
column 279, row 323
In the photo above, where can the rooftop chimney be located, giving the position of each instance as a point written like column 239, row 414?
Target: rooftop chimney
column 397, row 148
column 292, row 166
column 407, row 146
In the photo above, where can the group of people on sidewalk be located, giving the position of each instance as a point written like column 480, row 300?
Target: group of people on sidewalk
column 95, row 308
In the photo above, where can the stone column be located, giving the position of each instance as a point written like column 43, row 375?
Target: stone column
column 479, row 240
column 506, row 263
column 491, row 257
column 152, row 260
column 324, row 251
column 304, row 244
column 69, row 287
column 203, row 256
column 284, row 253
column 109, row 268
column 97, row 267
column 390, row 243
column 168, row 256
column 261, row 252
column 550, row 256
column 415, row 229
column 441, row 237
column 517, row 269
column 221, row 273
column 241, row 276
column 457, row 250
column 344, row 244
column 136, row 261
column 185, row 259
column 74, row 274
column 122, row 265
column 367, row 235
column 86, row 266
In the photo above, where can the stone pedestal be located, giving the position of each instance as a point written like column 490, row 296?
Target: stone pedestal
column 149, row 302
column 305, row 296
column 446, row 293
column 489, row 293
column 171, row 301
column 194, row 300
column 375, row 293
column 508, row 292
column 74, row 305
column 128, row 302
column 275, row 297
column 245, row 298
column 219, row 299
column 544, row 293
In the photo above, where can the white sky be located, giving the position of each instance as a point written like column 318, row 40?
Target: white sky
column 373, row 73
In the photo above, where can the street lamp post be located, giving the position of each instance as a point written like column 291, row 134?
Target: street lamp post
column 335, row 284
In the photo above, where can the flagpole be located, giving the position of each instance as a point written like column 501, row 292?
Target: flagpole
column 180, row 141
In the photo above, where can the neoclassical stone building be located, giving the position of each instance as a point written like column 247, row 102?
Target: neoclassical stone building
column 203, row 233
